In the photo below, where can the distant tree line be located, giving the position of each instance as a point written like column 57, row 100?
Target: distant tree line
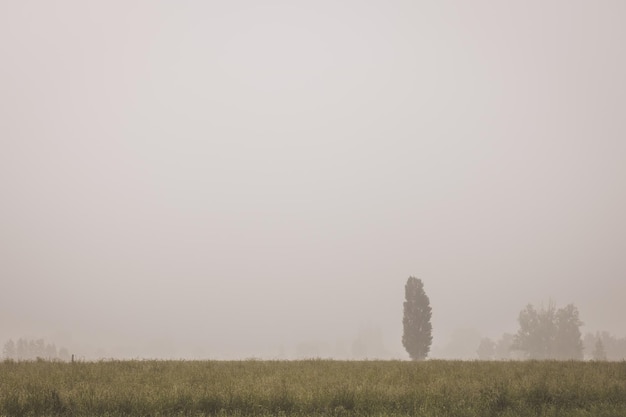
column 551, row 333
column 545, row 333
column 602, row 346
column 500, row 350
column 29, row 350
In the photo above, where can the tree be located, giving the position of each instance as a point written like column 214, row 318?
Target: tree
column 417, row 335
column 9, row 350
column 568, row 340
column 28, row 350
column 612, row 348
column 21, row 349
column 536, row 333
column 549, row 333
column 599, row 354
column 504, row 347
column 51, row 352
column 486, row 349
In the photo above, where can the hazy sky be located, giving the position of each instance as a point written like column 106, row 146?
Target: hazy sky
column 233, row 178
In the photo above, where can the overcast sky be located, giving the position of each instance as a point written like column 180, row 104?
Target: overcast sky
column 236, row 178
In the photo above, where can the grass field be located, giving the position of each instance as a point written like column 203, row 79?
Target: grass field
column 312, row 388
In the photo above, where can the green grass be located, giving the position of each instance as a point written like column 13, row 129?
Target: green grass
column 312, row 388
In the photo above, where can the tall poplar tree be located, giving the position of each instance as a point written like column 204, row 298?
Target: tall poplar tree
column 417, row 335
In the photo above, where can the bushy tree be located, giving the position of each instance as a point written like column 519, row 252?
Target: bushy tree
column 568, row 343
column 599, row 354
column 504, row 347
column 9, row 350
column 417, row 336
column 549, row 333
column 536, row 333
column 612, row 348
column 486, row 349
column 28, row 350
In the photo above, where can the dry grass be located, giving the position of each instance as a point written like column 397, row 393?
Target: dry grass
column 312, row 388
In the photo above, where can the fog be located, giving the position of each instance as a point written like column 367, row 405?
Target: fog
column 236, row 179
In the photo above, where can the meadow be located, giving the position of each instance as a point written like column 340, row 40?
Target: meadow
column 312, row 388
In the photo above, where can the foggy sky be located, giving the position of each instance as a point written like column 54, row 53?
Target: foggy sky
column 239, row 178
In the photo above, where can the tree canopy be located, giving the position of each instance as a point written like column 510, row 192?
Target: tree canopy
column 549, row 333
column 417, row 336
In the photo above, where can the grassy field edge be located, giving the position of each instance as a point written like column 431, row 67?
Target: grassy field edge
column 312, row 387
